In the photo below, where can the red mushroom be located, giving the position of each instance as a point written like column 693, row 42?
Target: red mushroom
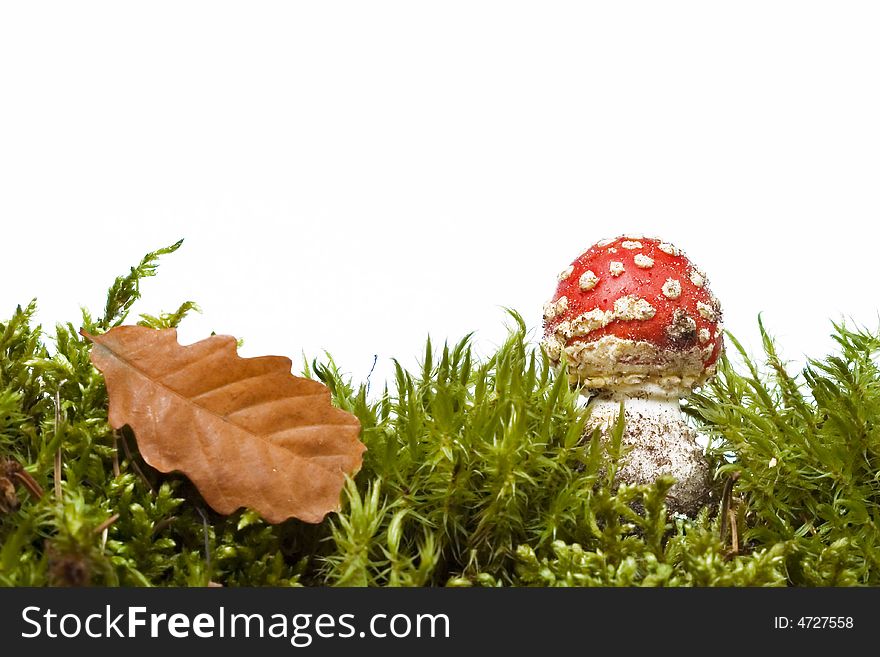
column 635, row 321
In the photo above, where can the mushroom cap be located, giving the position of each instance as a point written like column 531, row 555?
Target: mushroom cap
column 634, row 314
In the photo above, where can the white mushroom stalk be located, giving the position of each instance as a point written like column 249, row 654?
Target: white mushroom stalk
column 636, row 323
column 657, row 441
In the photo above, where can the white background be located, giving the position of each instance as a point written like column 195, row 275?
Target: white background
column 352, row 176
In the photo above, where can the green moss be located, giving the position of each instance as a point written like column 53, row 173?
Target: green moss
column 476, row 473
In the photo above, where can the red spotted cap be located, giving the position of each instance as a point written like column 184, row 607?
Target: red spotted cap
column 633, row 313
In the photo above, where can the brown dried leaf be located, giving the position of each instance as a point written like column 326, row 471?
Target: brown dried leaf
column 244, row 430
column 11, row 474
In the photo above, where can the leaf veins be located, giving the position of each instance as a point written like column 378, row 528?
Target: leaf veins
column 246, row 431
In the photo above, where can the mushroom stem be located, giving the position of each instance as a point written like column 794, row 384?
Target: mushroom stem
column 656, row 440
